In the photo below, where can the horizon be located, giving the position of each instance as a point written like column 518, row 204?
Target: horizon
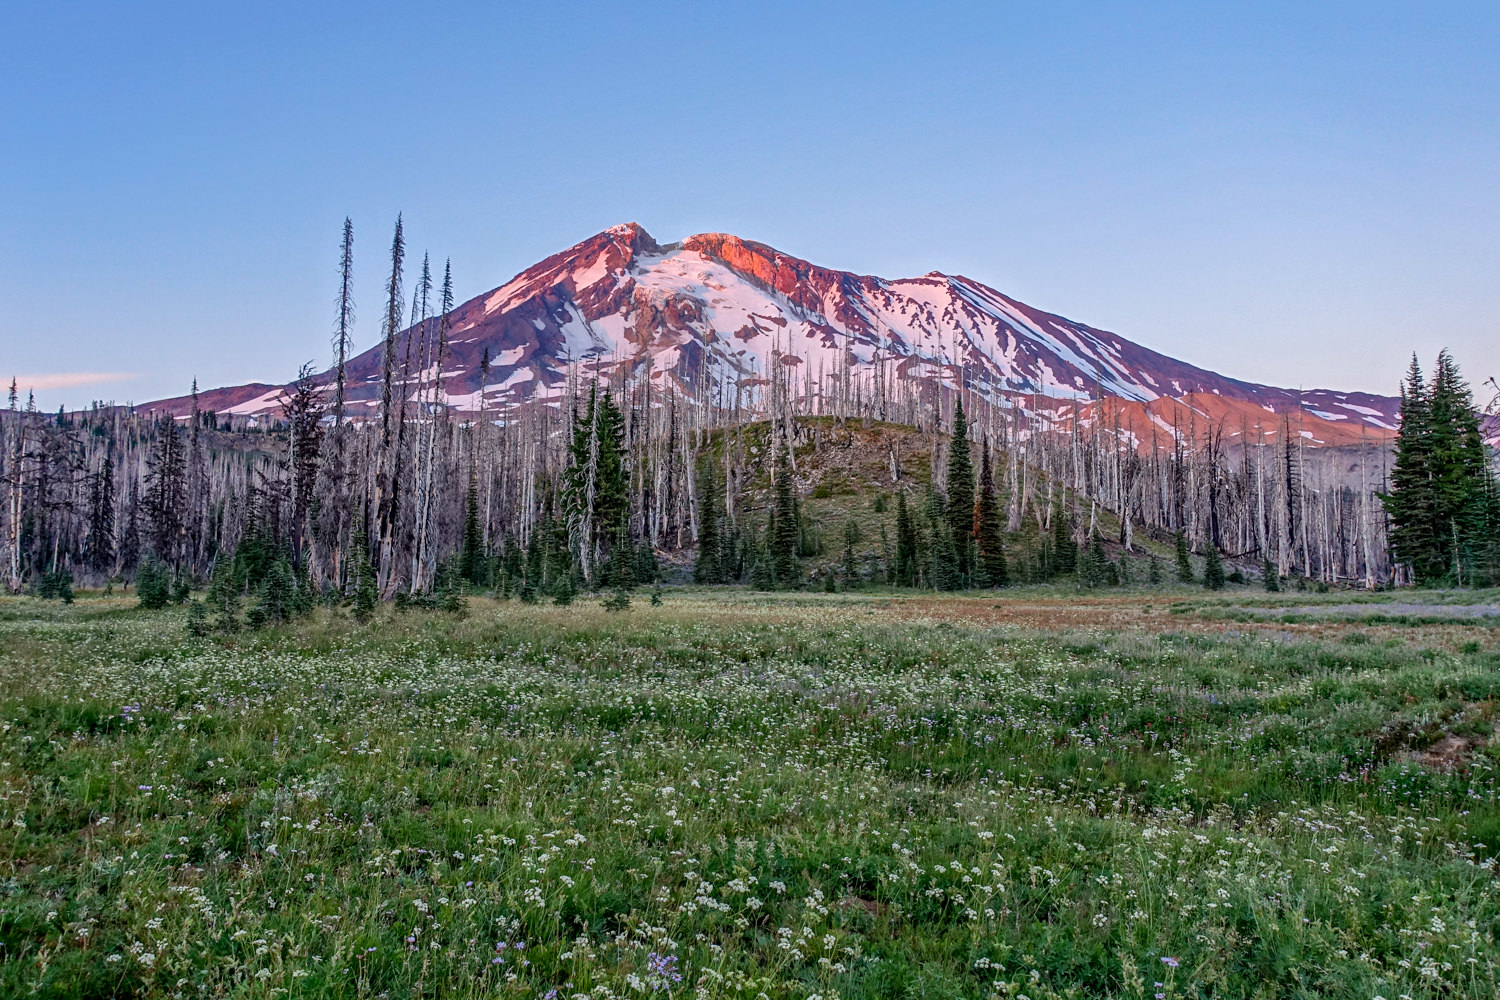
column 1292, row 198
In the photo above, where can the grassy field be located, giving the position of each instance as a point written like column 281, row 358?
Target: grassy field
column 1140, row 794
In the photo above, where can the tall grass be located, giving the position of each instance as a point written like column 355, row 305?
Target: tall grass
column 738, row 798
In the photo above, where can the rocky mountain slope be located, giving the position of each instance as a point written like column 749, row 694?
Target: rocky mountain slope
column 716, row 310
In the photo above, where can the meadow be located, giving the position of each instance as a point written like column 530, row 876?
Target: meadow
column 1141, row 794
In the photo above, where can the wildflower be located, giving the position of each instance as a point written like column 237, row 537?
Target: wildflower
column 1169, row 961
column 661, row 971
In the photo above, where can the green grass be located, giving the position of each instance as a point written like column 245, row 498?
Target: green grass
column 791, row 797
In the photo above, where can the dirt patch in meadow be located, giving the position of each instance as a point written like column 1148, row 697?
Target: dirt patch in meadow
column 1454, row 611
column 1045, row 614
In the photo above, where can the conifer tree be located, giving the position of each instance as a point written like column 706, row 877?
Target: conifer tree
column 531, row 581
column 1460, row 472
column 224, row 589
column 304, row 415
column 851, row 538
column 904, row 568
column 1269, row 577
column 1064, row 549
column 473, row 561
column 366, row 591
column 1213, row 569
column 708, row 567
column 152, row 584
column 959, row 505
column 129, row 543
column 1185, row 572
column 513, row 569
column 1440, row 501
column 782, row 542
column 100, row 552
column 392, row 415
column 596, row 488
column 762, row 573
column 1411, row 503
column 992, row 570
column 944, row 571
column 165, row 492
column 344, row 325
column 1093, row 567
column 277, row 597
column 612, row 496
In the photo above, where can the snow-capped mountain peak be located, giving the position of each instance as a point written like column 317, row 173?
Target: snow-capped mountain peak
column 716, row 310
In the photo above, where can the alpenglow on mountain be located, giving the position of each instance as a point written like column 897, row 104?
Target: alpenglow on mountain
column 715, row 311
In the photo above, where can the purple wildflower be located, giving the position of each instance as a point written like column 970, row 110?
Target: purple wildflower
column 661, row 971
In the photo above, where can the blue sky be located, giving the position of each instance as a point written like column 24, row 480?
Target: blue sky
column 1298, row 194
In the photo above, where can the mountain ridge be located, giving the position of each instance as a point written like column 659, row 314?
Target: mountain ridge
column 717, row 311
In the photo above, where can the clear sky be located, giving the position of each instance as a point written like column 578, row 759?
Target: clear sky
column 1293, row 193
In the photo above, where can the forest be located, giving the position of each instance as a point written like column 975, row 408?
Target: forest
column 631, row 479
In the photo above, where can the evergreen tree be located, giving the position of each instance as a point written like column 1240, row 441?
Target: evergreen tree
column 1411, row 502
column 945, row 572
column 165, row 491
column 473, row 564
column 343, row 329
column 1064, row 549
column 304, row 415
column 646, row 569
column 531, row 582
column 1213, row 569
column 512, row 568
column 100, row 550
column 1153, row 571
column 905, row 570
column 596, row 487
column 762, row 573
column 129, row 545
column 1093, row 567
column 1269, row 576
column 276, row 599
column 620, row 571
column 564, row 590
column 451, row 594
column 782, row 542
column 991, row 570
column 959, row 505
column 1185, row 572
column 851, row 539
column 708, row 567
column 1489, row 531
column 197, row 621
column 612, row 494
column 152, row 584
column 1460, row 472
column 224, row 589
column 365, row 590
column 1439, row 504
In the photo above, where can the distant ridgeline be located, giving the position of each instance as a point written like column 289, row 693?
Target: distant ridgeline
column 714, row 409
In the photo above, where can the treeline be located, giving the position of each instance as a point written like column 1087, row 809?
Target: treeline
column 630, row 474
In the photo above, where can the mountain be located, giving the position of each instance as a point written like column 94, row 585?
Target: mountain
column 716, row 309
